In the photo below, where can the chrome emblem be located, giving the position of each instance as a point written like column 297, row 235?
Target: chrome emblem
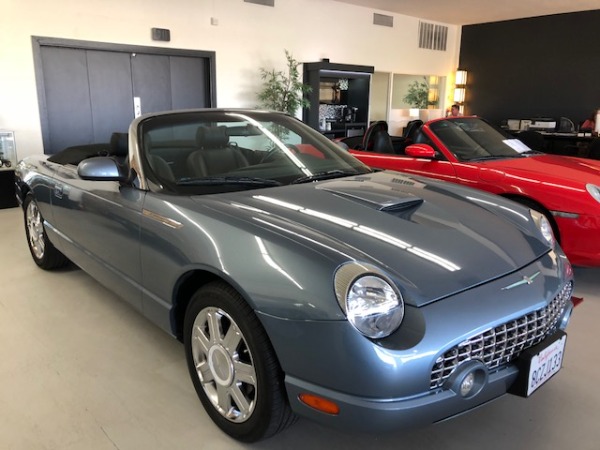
column 526, row 280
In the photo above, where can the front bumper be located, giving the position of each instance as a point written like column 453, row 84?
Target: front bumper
column 373, row 415
column 387, row 384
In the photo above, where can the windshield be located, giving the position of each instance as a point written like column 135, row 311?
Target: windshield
column 218, row 151
column 471, row 139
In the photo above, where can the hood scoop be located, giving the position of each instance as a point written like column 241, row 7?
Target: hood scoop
column 402, row 205
column 390, row 201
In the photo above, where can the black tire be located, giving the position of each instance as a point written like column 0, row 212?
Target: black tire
column 42, row 250
column 233, row 365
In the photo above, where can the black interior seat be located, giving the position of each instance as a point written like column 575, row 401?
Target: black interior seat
column 119, row 146
column 215, row 156
column 411, row 128
column 161, row 167
column 408, row 136
column 377, row 138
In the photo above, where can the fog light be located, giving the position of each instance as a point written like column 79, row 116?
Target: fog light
column 467, row 384
column 468, row 379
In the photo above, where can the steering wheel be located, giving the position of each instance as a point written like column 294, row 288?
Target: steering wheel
column 276, row 153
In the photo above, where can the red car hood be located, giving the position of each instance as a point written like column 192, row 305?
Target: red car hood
column 567, row 170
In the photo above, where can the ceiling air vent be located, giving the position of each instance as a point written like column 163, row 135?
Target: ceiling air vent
column 432, row 36
column 381, row 19
column 262, row 2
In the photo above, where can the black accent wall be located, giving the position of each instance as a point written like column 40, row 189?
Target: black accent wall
column 539, row 67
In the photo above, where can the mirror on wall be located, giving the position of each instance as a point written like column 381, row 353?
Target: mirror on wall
column 380, row 96
column 400, row 98
column 416, row 91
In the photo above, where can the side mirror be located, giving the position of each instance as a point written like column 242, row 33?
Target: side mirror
column 420, row 151
column 342, row 145
column 101, row 168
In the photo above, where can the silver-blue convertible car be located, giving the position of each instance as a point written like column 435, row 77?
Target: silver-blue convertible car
column 301, row 282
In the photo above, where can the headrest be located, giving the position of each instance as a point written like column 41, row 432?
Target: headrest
column 380, row 125
column 119, row 144
column 213, row 137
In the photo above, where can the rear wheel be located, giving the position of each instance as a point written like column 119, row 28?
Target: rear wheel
column 43, row 252
column 233, row 365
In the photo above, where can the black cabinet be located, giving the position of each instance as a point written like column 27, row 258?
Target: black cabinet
column 339, row 100
column 7, row 189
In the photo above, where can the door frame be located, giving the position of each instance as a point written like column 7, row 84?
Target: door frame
column 40, row 41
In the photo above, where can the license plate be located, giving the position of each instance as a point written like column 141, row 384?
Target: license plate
column 538, row 364
column 545, row 364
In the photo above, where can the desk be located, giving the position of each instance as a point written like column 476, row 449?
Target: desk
column 569, row 144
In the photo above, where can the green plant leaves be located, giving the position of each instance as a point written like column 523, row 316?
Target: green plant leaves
column 283, row 91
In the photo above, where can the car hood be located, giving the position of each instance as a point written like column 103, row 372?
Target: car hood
column 569, row 170
column 433, row 238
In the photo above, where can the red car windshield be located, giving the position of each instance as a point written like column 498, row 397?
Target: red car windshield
column 471, row 139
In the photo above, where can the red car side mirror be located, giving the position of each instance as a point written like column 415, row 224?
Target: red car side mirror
column 420, row 151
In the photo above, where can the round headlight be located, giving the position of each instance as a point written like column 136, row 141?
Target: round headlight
column 543, row 225
column 594, row 191
column 374, row 307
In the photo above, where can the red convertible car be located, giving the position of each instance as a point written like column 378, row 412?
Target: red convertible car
column 472, row 152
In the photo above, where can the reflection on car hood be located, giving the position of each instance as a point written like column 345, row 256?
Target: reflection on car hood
column 572, row 171
column 426, row 234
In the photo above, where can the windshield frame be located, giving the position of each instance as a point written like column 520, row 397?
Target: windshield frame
column 471, row 139
column 295, row 150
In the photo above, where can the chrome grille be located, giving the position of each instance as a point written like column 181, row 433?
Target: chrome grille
column 505, row 342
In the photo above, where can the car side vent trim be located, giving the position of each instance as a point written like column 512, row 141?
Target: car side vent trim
column 433, row 36
column 171, row 223
column 383, row 20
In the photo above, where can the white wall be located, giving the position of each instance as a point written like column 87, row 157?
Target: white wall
column 246, row 38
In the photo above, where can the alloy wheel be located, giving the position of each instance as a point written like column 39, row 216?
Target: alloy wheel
column 35, row 230
column 224, row 364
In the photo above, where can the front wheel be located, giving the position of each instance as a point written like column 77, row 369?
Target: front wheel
column 43, row 252
column 233, row 365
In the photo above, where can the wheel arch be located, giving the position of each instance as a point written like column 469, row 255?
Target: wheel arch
column 185, row 288
column 534, row 204
column 23, row 190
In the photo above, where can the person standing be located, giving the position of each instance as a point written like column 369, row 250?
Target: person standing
column 454, row 111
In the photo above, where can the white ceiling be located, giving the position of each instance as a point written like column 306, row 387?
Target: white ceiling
column 466, row 12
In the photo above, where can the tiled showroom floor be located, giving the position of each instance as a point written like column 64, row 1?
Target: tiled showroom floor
column 79, row 369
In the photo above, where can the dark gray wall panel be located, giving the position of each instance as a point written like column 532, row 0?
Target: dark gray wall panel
column 86, row 89
column 189, row 82
column 110, row 92
column 67, row 98
column 152, row 82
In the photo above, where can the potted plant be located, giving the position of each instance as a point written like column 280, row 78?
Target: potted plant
column 283, row 91
column 418, row 94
